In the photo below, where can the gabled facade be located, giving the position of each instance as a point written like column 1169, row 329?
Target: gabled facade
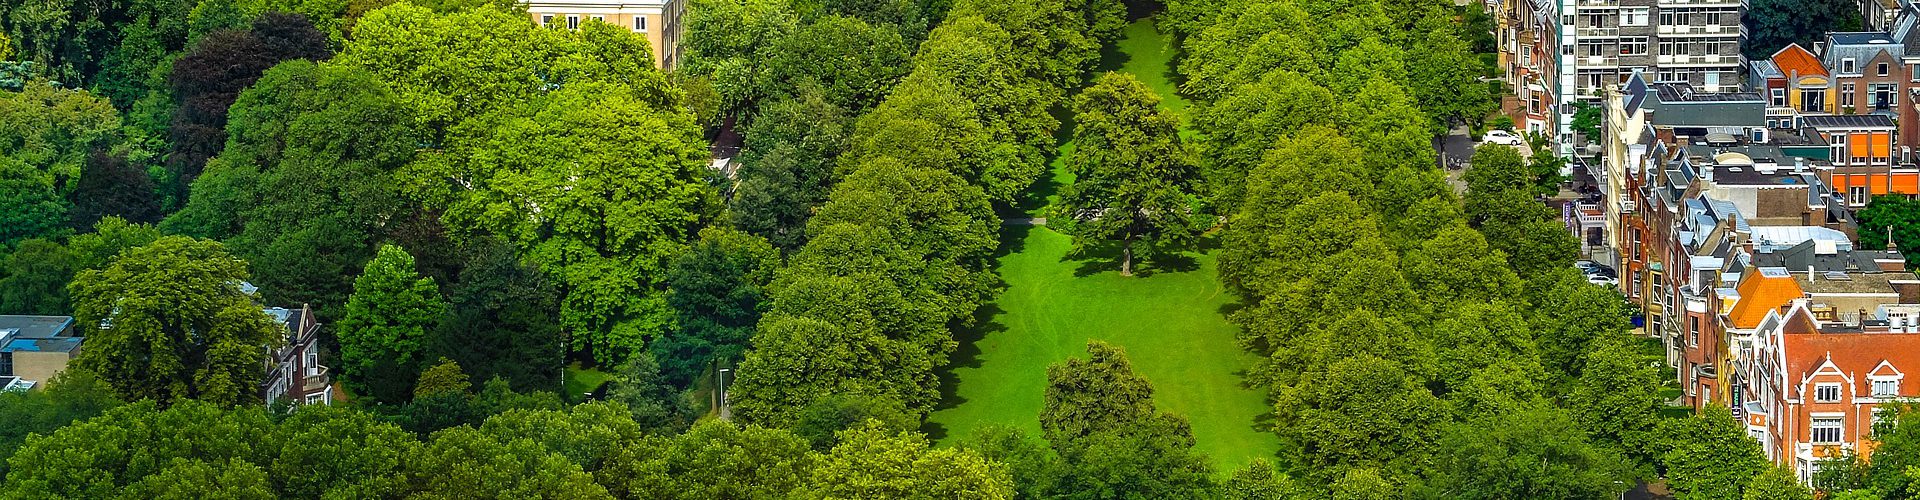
column 1810, row 389
column 294, row 372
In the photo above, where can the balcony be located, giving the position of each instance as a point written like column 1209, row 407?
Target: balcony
column 315, row 380
column 1627, row 206
column 1592, row 32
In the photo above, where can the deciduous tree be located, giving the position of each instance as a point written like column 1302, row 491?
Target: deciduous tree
column 175, row 324
column 384, row 331
column 1132, row 180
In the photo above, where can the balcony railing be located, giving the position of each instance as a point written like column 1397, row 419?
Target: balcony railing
column 1596, row 32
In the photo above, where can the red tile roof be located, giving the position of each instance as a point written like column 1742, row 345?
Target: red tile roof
column 1760, row 292
column 1796, row 60
column 1855, row 354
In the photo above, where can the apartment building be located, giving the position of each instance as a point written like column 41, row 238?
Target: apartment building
column 1691, row 41
column 658, row 20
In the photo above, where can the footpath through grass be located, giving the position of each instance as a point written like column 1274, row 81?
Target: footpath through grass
column 1170, row 320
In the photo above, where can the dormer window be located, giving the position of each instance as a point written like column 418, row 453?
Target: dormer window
column 1826, row 393
column 1847, row 66
column 1886, row 388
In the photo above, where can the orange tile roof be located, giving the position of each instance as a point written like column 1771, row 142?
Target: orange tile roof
column 1760, row 292
column 1796, row 60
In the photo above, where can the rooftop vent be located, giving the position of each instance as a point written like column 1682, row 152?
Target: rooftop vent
column 1836, row 276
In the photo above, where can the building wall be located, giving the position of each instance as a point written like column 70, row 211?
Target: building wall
column 1807, row 86
column 662, row 26
column 39, row 366
column 1866, row 76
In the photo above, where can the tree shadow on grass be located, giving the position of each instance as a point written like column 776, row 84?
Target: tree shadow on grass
column 966, row 354
column 1105, row 257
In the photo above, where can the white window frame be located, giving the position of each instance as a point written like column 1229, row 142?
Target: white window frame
column 1892, row 384
column 1848, row 66
column 1883, row 69
column 1635, row 16
column 573, row 21
column 1779, row 98
column 1836, row 424
column 1823, row 387
column 546, row 20
column 639, row 23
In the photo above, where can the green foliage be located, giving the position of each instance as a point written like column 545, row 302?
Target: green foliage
column 34, row 277
column 383, row 334
column 1776, row 483
column 821, row 421
column 650, row 399
column 1536, row 452
column 1775, row 23
column 787, row 166
column 46, row 135
column 444, row 377
column 1893, row 216
column 1132, row 180
column 1586, row 120
column 1709, row 455
column 74, row 395
column 504, row 321
column 619, row 186
column 207, row 79
column 151, row 298
column 306, row 184
column 851, row 62
column 872, row 462
column 717, row 290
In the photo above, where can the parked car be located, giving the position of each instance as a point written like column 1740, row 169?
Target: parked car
column 1502, row 137
column 1599, row 279
column 1585, row 266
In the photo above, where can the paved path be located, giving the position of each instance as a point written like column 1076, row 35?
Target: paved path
column 1035, row 221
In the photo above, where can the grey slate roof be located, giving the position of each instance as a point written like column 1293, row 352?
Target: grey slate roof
column 1847, row 121
column 1862, row 46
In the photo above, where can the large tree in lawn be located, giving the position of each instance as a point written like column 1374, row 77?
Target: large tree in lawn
column 1132, row 182
column 174, row 324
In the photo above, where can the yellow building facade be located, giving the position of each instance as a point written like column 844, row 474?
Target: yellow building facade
column 658, row 20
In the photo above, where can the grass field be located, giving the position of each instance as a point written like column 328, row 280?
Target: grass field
column 579, row 381
column 1169, row 319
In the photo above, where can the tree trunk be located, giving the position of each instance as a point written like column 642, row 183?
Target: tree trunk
column 1126, row 257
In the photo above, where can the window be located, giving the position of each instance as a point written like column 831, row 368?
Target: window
column 600, row 18
column 546, row 20
column 1886, row 388
column 1666, row 18
column 6, row 364
column 573, row 22
column 1779, row 97
column 1826, row 430
column 1814, row 100
column 1633, row 46
column 1856, row 196
column 1693, row 331
column 1913, row 72
column 1712, row 18
column 1826, row 393
column 1594, row 49
column 1846, row 95
column 1883, row 69
column 1881, row 95
column 1596, row 20
column 1633, row 16
column 1847, row 66
column 640, row 23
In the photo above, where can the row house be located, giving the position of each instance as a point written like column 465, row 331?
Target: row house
column 293, row 369
column 1529, row 57
column 1810, row 387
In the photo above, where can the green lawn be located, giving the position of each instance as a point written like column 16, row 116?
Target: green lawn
column 1171, row 321
column 581, row 380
